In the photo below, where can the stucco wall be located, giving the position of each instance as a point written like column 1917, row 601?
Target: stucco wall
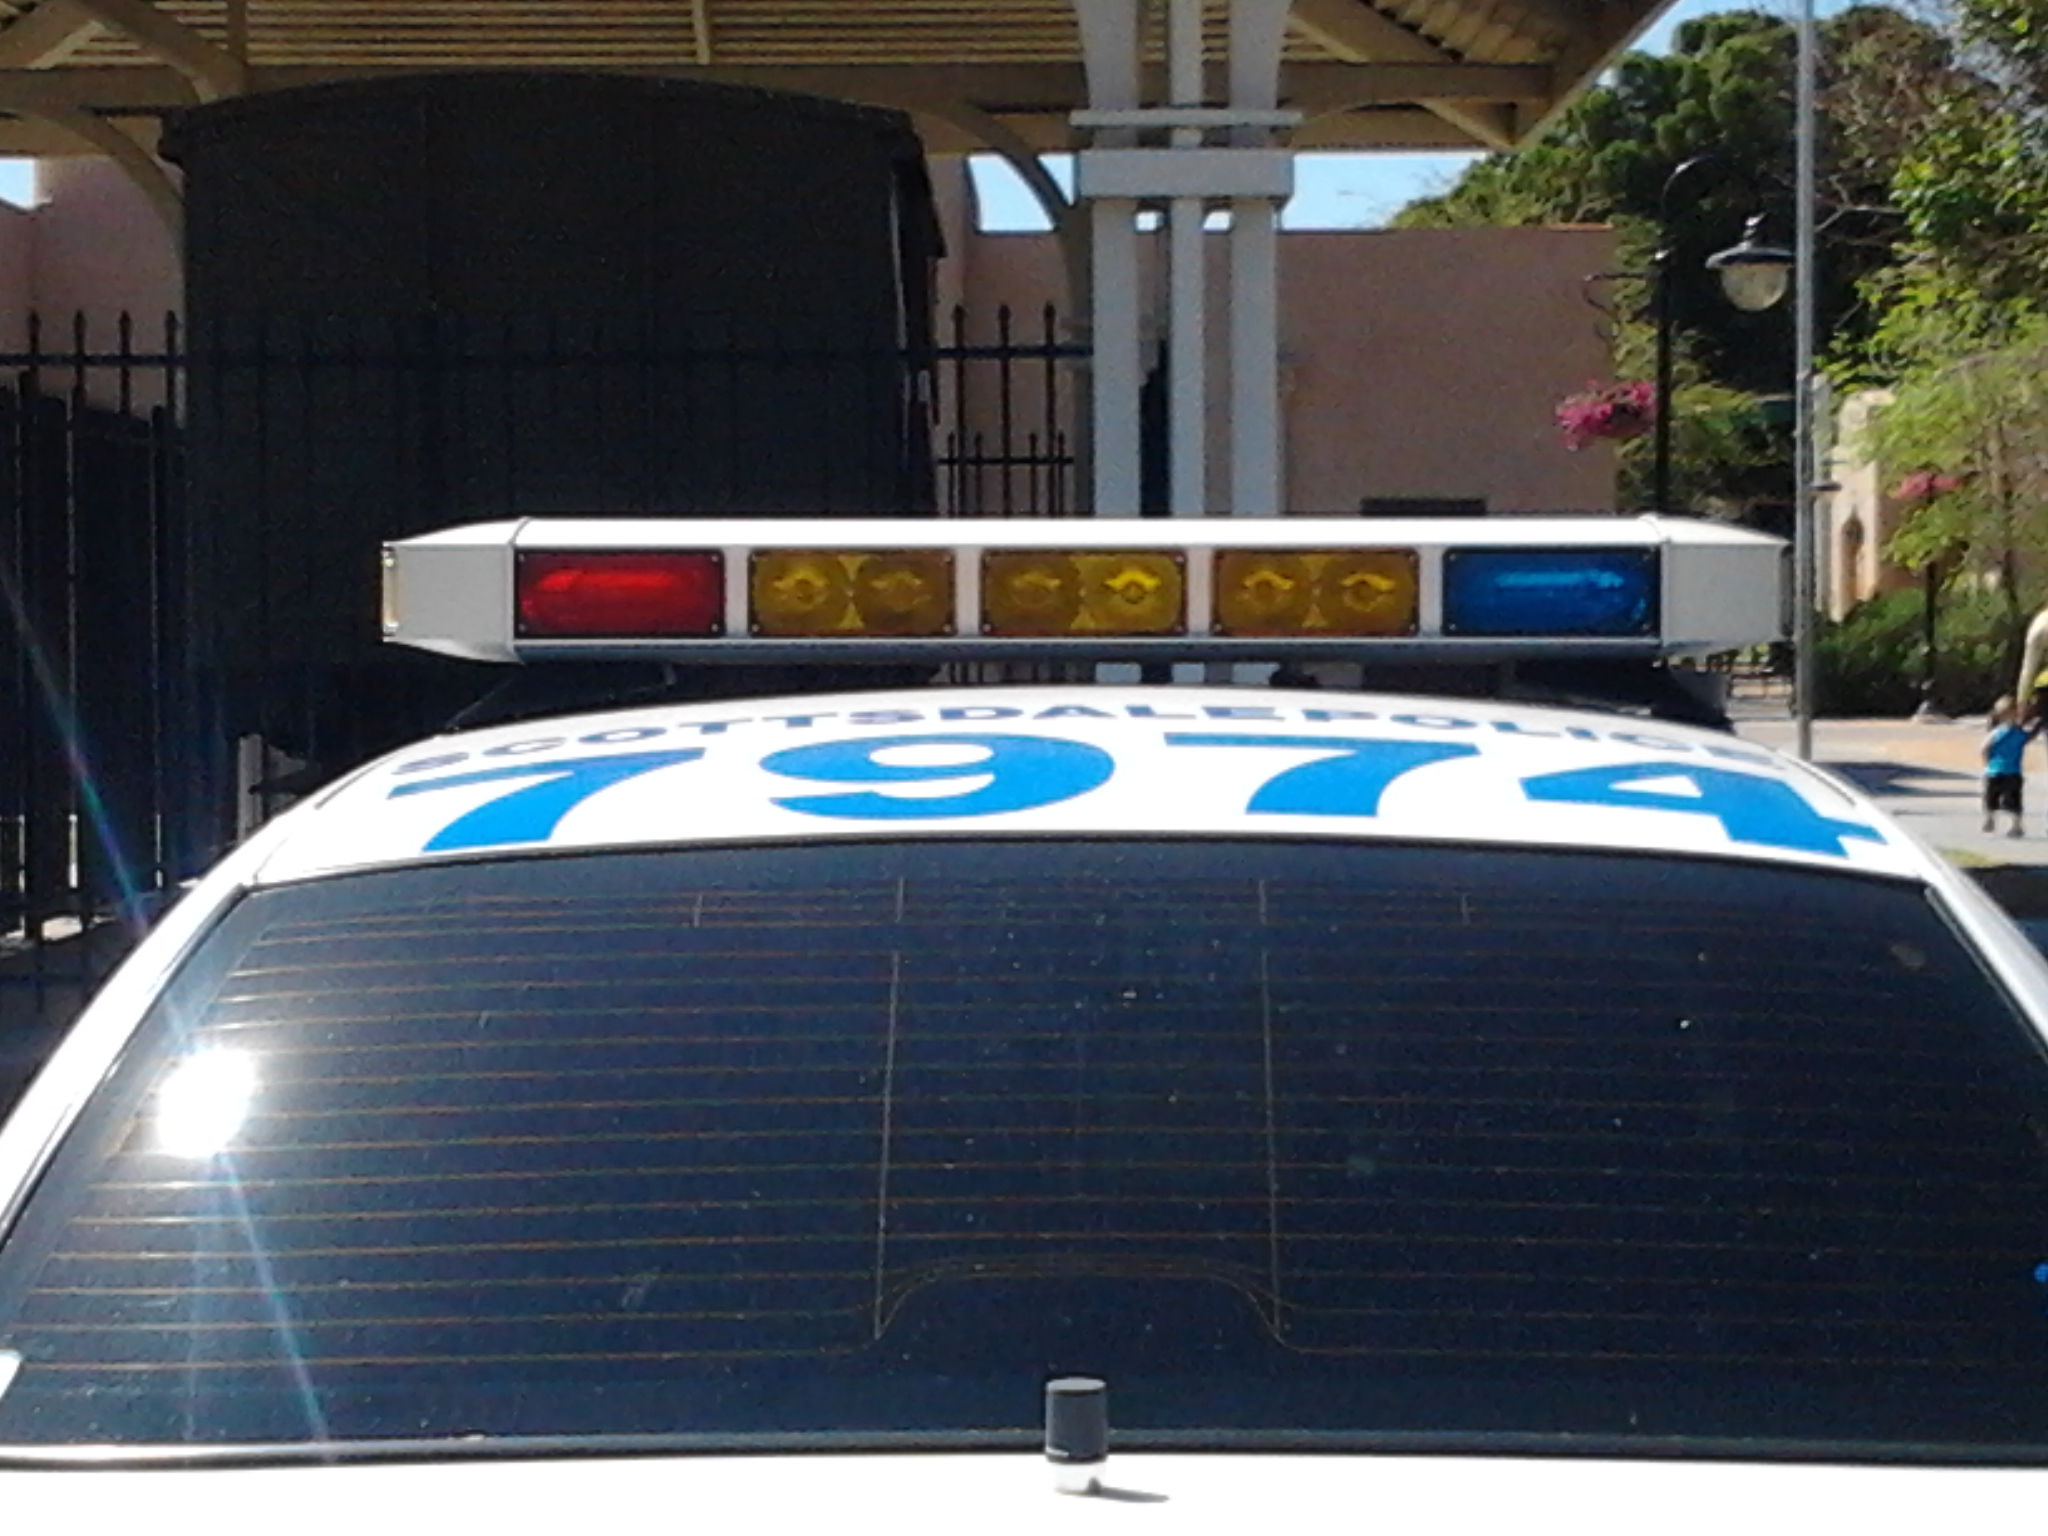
column 92, row 247
column 1429, row 362
column 1414, row 363
column 100, row 248
column 17, row 273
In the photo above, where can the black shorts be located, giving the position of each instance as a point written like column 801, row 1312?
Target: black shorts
column 2002, row 792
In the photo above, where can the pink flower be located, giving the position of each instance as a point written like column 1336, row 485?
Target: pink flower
column 1614, row 412
column 1924, row 485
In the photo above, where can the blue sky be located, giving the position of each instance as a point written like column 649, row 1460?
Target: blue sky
column 1334, row 191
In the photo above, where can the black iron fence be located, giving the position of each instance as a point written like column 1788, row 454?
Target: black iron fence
column 1006, row 418
column 188, row 529
column 91, row 492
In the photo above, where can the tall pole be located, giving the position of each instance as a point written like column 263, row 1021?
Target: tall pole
column 1660, row 424
column 1805, row 546
column 1187, row 283
column 1661, row 303
column 1258, row 36
column 1930, row 583
column 1110, row 50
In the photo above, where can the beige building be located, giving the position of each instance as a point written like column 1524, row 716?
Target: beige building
column 1858, row 517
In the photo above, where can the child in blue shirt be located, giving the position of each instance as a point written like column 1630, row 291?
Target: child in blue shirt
column 2005, row 744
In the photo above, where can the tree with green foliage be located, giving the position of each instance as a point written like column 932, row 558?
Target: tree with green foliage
column 1974, row 196
column 1726, row 90
column 1959, row 335
column 1974, row 187
column 1980, row 427
column 1970, row 269
column 1964, row 446
column 1875, row 661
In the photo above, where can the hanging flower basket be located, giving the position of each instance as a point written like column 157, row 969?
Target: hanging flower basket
column 1923, row 486
column 1607, row 413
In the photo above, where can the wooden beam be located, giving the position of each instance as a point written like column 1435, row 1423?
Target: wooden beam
column 1380, row 128
column 1356, row 32
column 995, row 134
column 1597, row 45
column 1348, row 104
column 1385, row 128
column 213, row 71
column 1556, row 21
column 97, row 134
column 47, row 35
column 700, row 27
column 1317, row 88
column 1068, row 222
column 1005, row 89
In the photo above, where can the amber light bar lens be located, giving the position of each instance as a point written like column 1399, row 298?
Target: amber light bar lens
column 619, row 594
column 1081, row 593
column 1317, row 592
column 796, row 592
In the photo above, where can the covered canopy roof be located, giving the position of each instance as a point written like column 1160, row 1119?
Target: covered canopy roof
column 1374, row 74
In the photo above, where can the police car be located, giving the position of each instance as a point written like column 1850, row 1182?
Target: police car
column 917, row 1108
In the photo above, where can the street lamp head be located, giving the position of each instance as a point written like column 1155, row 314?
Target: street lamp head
column 1753, row 275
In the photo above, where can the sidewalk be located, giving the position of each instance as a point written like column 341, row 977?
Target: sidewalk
column 1929, row 776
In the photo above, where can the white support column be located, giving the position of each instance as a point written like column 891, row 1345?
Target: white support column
column 1187, row 330
column 1255, row 438
column 1109, row 48
column 1186, row 157
column 1119, row 379
column 1187, row 357
column 1184, row 53
column 1258, row 30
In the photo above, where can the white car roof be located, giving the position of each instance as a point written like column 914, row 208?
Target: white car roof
column 1087, row 760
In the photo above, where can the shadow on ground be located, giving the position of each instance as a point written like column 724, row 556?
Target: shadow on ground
column 1902, row 779
column 2022, row 889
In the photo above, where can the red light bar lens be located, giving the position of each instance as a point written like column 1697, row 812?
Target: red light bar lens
column 619, row 594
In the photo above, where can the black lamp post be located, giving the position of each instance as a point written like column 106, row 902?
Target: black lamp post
column 1754, row 276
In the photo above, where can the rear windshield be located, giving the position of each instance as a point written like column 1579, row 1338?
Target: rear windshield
column 859, row 1141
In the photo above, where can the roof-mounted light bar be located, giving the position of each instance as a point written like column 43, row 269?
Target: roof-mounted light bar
column 1245, row 589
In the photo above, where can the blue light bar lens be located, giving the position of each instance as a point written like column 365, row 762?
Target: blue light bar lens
column 1596, row 593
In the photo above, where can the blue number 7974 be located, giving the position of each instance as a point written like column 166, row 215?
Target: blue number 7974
column 987, row 774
